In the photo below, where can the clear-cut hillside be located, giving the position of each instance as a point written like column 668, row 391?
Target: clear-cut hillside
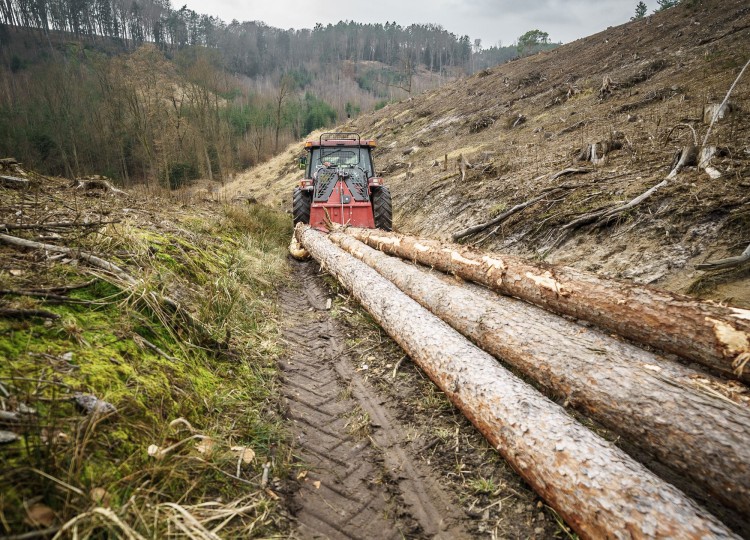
column 635, row 91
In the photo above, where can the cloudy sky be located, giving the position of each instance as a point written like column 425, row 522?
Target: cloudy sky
column 489, row 20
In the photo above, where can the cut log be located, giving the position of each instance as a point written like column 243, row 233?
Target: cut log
column 14, row 182
column 626, row 389
column 711, row 334
column 598, row 489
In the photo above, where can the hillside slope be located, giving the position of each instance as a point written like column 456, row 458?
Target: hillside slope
column 635, row 89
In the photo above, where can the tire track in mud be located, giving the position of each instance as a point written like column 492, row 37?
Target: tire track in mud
column 359, row 484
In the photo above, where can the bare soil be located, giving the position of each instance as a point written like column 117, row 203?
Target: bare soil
column 383, row 456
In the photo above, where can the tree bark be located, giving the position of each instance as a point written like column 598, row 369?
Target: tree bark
column 626, row 389
column 596, row 488
column 714, row 335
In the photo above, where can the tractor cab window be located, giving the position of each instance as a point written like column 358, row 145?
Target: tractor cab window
column 350, row 157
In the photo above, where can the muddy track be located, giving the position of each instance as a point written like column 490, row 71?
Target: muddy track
column 364, row 479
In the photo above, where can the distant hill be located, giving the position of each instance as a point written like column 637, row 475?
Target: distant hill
column 79, row 100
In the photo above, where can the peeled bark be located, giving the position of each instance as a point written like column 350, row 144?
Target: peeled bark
column 660, row 406
column 714, row 335
column 597, row 488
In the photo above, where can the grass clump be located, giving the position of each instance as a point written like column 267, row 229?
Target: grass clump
column 194, row 386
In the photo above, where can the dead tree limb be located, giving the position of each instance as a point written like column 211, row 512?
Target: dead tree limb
column 604, row 215
column 505, row 215
column 597, row 488
column 14, row 182
column 687, row 155
column 706, row 438
column 25, row 313
column 730, row 262
column 723, row 103
column 88, row 257
column 53, row 225
column 502, row 217
column 97, row 183
column 710, row 334
column 121, row 275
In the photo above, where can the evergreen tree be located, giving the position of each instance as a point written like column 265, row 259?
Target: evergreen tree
column 640, row 11
column 666, row 4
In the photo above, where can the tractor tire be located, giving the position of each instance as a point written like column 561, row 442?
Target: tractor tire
column 381, row 209
column 301, row 203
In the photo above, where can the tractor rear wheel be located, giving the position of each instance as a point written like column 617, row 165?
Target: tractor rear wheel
column 301, row 203
column 381, row 209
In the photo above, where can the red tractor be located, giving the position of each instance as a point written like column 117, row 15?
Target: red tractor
column 340, row 185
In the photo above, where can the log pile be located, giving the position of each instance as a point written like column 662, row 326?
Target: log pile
column 598, row 489
column 628, row 390
column 713, row 335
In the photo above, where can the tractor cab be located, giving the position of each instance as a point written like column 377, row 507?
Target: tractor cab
column 340, row 185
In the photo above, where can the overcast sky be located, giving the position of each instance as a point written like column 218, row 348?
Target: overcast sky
column 489, row 20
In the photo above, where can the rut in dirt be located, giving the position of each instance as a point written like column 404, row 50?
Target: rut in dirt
column 362, row 478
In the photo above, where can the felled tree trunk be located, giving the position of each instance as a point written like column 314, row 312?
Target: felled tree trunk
column 626, row 389
column 597, row 488
column 716, row 336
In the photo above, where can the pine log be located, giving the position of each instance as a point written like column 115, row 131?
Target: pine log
column 714, row 335
column 628, row 390
column 597, row 488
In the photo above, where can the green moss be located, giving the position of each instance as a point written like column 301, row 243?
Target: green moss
column 223, row 390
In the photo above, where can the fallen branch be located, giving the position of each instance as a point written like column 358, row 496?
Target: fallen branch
column 97, row 183
column 65, row 288
column 730, row 262
column 57, row 225
column 143, row 341
column 505, row 215
column 710, row 334
column 604, row 215
column 14, row 182
column 597, row 488
column 26, row 313
column 705, row 439
column 92, row 259
column 120, row 274
column 723, row 104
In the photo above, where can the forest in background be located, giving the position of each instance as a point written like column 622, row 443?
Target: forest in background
column 144, row 93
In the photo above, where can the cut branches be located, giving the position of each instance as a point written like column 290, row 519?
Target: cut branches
column 606, row 214
column 711, row 334
column 505, row 215
column 13, row 182
column 97, row 183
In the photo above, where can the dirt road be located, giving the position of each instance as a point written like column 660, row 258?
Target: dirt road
column 376, row 459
